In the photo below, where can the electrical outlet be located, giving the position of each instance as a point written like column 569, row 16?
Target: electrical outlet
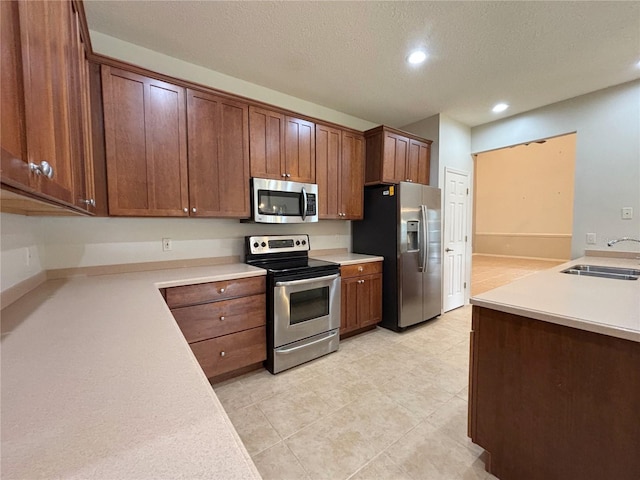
column 627, row 213
column 166, row 245
column 591, row 239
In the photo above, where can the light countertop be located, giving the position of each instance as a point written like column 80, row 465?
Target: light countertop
column 600, row 305
column 99, row 382
column 348, row 258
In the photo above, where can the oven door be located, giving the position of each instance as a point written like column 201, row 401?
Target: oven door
column 303, row 308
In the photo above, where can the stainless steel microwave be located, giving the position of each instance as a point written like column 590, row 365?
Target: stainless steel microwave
column 277, row 201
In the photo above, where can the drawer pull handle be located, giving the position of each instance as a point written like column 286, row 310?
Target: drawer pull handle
column 222, row 319
column 222, row 290
column 222, row 354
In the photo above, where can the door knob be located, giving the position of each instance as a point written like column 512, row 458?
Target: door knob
column 448, row 249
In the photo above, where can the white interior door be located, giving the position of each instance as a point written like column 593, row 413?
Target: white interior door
column 456, row 202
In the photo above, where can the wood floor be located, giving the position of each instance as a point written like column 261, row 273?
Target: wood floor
column 489, row 272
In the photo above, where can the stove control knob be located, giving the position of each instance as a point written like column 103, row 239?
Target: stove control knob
column 297, row 242
column 263, row 244
column 256, row 245
column 304, row 242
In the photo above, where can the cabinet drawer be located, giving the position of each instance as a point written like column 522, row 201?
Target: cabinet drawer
column 209, row 320
column 230, row 352
column 367, row 268
column 214, row 291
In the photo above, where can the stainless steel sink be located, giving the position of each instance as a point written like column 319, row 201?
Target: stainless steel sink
column 603, row 272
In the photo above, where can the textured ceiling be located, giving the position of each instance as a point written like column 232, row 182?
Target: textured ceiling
column 350, row 56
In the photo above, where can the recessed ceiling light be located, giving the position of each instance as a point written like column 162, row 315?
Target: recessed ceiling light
column 500, row 107
column 416, row 57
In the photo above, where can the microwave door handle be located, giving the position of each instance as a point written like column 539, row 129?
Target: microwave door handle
column 304, row 204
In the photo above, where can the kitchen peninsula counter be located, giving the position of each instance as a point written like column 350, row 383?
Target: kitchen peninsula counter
column 599, row 305
column 554, row 385
column 99, row 382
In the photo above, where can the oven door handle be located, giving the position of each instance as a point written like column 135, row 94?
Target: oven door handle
column 293, row 349
column 307, row 281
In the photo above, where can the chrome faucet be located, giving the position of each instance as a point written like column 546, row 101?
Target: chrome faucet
column 623, row 239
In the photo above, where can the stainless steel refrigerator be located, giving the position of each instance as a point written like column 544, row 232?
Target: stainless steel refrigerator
column 403, row 223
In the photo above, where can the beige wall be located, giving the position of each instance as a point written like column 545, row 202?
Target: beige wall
column 524, row 199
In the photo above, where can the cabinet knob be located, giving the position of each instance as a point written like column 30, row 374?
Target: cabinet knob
column 44, row 168
column 288, row 175
column 185, row 210
column 360, row 269
column 89, row 201
column 283, row 175
column 222, row 318
column 222, row 354
column 193, row 209
column 222, row 290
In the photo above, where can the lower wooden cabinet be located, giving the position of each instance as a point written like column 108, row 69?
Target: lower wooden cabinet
column 230, row 352
column 551, row 401
column 224, row 322
column 361, row 296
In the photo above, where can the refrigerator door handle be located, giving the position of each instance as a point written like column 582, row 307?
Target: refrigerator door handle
column 424, row 241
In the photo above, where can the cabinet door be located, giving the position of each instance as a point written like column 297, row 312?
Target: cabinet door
column 370, row 300
column 145, row 134
column 349, row 305
column 218, row 156
column 328, row 158
column 266, row 143
column 46, row 53
column 418, row 162
column 396, row 148
column 351, row 176
column 300, row 150
column 84, row 185
column 15, row 169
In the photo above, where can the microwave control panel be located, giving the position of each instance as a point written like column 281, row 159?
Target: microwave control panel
column 311, row 204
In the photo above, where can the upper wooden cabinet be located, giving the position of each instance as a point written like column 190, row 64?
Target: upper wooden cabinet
column 218, row 132
column 394, row 156
column 43, row 94
column 339, row 173
column 146, row 145
column 281, row 147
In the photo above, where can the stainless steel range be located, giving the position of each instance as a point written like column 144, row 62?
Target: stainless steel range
column 303, row 299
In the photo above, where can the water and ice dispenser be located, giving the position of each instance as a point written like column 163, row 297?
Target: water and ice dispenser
column 413, row 240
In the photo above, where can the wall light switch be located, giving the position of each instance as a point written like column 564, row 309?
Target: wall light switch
column 591, row 239
column 627, row 213
column 166, row 244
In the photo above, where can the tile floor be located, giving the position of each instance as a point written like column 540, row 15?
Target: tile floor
column 385, row 406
